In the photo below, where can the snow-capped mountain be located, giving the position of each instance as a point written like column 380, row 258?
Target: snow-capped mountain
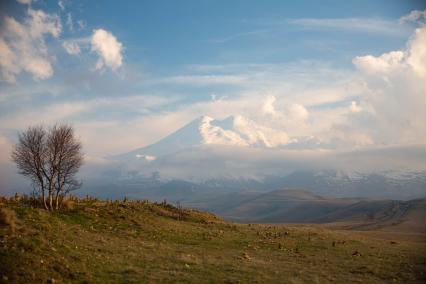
column 231, row 131
column 239, row 154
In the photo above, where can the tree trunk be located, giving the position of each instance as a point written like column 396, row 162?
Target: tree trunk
column 57, row 200
column 43, row 198
column 51, row 185
column 50, row 200
column 58, row 191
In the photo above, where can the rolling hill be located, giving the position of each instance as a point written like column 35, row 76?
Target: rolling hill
column 142, row 242
column 301, row 206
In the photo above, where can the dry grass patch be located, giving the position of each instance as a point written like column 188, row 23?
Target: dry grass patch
column 142, row 242
column 8, row 218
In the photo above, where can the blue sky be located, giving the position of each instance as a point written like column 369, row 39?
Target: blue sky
column 127, row 73
column 165, row 36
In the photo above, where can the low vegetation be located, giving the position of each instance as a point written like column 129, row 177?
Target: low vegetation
column 93, row 241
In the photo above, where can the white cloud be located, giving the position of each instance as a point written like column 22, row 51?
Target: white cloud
column 24, row 1
column 42, row 23
column 71, row 47
column 81, row 24
column 24, row 47
column 8, row 67
column 260, row 134
column 49, row 114
column 61, row 4
column 289, row 115
column 412, row 59
column 298, row 112
column 416, row 56
column 395, row 93
column 268, row 106
column 382, row 64
column 354, row 107
column 148, row 158
column 108, row 48
column 414, row 16
column 134, row 131
column 70, row 23
column 370, row 25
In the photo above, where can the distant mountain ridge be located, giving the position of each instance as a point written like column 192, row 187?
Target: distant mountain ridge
column 301, row 206
column 235, row 153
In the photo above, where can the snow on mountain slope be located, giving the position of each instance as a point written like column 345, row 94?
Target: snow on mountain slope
column 241, row 131
column 259, row 135
column 220, row 132
column 231, row 131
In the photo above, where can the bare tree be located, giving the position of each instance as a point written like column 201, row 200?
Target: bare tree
column 29, row 154
column 66, row 161
column 51, row 159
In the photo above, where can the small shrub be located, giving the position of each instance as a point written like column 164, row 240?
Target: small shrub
column 8, row 218
column 67, row 204
column 18, row 197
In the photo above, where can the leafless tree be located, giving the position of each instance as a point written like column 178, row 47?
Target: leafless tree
column 51, row 159
column 29, row 154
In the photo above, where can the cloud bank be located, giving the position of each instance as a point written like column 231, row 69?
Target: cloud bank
column 395, row 93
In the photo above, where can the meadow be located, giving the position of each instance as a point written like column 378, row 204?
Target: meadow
column 94, row 241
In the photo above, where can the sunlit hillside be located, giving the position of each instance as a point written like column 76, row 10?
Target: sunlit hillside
column 134, row 242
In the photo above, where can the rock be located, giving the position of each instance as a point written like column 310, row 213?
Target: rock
column 246, row 256
column 356, row 253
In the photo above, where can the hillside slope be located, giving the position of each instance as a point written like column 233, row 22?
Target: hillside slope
column 301, row 206
column 134, row 242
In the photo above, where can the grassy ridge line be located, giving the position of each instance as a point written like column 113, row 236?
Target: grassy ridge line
column 133, row 242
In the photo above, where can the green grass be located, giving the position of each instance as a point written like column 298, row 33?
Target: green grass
column 134, row 242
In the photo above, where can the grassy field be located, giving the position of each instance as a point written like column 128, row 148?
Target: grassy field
column 142, row 242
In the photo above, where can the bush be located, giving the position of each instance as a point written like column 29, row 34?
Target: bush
column 8, row 218
column 67, row 204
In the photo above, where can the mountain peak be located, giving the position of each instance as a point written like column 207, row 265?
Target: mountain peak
column 220, row 132
column 234, row 130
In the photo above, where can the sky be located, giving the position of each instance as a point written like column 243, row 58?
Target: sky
column 348, row 74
